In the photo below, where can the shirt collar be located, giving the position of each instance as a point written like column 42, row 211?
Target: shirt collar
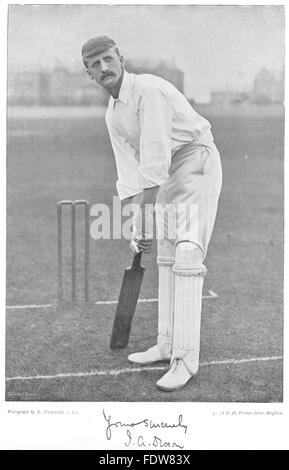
column 125, row 88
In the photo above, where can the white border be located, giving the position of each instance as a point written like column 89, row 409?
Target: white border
column 85, row 430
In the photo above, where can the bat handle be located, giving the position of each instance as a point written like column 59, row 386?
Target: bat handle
column 136, row 260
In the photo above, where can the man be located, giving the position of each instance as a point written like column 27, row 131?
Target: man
column 165, row 155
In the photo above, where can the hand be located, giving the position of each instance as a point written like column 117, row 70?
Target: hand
column 142, row 237
column 141, row 244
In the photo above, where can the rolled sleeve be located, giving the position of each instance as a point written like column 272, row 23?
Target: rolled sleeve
column 124, row 191
column 128, row 183
column 155, row 138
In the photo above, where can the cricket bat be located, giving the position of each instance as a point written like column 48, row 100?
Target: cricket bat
column 127, row 302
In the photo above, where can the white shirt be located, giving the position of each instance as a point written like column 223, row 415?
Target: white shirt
column 148, row 123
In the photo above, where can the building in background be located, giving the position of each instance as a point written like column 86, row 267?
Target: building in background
column 61, row 86
column 162, row 69
column 268, row 88
column 27, row 88
column 228, row 97
column 74, row 88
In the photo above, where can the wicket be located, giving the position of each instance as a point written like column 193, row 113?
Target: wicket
column 73, row 205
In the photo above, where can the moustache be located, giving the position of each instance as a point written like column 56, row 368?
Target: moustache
column 109, row 74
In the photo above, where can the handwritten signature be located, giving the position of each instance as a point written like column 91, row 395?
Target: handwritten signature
column 156, row 442
column 147, row 423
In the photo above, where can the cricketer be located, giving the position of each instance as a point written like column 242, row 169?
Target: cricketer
column 167, row 160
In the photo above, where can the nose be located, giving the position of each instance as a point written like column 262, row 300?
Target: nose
column 104, row 66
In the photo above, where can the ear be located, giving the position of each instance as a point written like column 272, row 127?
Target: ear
column 121, row 58
column 89, row 74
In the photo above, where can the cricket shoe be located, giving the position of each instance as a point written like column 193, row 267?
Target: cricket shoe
column 148, row 357
column 176, row 377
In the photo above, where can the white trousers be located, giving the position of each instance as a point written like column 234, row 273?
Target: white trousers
column 186, row 209
column 187, row 203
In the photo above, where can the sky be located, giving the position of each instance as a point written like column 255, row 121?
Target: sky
column 217, row 47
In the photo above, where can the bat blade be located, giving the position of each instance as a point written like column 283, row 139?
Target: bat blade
column 127, row 301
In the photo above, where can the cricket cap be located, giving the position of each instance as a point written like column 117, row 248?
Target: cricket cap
column 96, row 45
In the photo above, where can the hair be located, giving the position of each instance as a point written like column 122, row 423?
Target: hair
column 116, row 49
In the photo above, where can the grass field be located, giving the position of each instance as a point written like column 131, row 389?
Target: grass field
column 53, row 158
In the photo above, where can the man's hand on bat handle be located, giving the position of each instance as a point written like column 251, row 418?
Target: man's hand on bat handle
column 142, row 244
column 142, row 238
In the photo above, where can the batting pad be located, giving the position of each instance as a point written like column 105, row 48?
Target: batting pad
column 189, row 273
column 165, row 262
